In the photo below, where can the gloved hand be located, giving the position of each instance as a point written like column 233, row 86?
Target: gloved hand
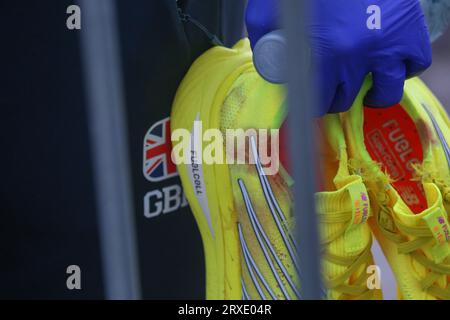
column 344, row 49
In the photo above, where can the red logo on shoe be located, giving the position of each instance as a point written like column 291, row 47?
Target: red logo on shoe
column 392, row 139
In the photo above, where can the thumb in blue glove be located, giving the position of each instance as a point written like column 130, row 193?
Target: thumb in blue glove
column 345, row 47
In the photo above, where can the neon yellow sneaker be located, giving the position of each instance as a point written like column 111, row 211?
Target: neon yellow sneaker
column 402, row 152
column 344, row 208
column 244, row 210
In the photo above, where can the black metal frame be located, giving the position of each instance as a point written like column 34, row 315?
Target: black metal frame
column 109, row 145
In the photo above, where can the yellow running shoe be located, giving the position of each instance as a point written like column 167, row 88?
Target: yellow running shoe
column 244, row 209
column 344, row 208
column 403, row 154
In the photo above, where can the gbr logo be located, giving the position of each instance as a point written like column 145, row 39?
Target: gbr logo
column 163, row 201
column 157, row 167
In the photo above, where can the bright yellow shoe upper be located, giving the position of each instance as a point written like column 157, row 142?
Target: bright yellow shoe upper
column 264, row 205
column 343, row 206
column 245, row 214
column 402, row 153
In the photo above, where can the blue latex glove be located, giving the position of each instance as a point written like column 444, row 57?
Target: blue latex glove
column 344, row 50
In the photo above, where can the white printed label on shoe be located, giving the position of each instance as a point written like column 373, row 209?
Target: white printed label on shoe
column 195, row 172
column 360, row 214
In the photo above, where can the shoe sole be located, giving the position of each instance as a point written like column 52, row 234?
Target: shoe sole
column 211, row 202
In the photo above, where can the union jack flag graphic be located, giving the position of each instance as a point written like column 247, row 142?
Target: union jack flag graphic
column 158, row 163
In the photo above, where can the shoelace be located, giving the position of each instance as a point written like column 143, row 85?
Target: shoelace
column 444, row 188
column 358, row 289
column 397, row 232
column 424, row 174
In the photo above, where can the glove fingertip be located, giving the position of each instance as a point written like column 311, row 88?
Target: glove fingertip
column 380, row 99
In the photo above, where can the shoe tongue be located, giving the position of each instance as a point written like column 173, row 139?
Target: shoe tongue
column 355, row 239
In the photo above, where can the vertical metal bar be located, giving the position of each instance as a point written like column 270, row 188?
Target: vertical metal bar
column 109, row 145
column 301, row 103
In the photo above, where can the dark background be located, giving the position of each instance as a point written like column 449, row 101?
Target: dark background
column 47, row 200
column 48, row 217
